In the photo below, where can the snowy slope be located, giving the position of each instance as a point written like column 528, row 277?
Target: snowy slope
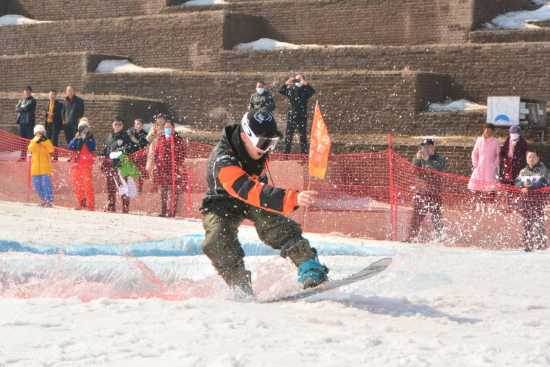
column 434, row 306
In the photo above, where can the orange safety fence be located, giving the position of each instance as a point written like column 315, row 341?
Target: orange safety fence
column 370, row 195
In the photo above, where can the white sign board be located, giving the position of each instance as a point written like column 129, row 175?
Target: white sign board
column 503, row 111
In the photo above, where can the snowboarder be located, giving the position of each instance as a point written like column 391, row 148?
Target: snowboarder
column 237, row 190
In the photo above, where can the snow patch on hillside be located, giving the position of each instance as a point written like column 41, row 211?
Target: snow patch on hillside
column 460, row 105
column 271, row 44
column 204, row 2
column 518, row 19
column 125, row 66
column 18, row 20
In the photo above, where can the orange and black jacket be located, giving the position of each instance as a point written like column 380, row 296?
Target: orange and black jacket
column 236, row 181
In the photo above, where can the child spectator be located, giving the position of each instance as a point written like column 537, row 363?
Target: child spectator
column 84, row 145
column 41, row 169
column 531, row 204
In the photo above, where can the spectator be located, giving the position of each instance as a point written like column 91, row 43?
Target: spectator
column 41, row 169
column 530, row 204
column 54, row 122
column 71, row 113
column 298, row 92
column 166, row 163
column 84, row 145
column 138, row 135
column 485, row 159
column 428, row 190
column 262, row 98
column 119, row 142
column 26, row 119
column 154, row 134
column 513, row 155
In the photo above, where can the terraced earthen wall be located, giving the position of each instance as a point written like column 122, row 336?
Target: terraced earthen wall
column 183, row 41
column 79, row 9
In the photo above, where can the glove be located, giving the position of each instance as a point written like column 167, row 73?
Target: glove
column 116, row 163
column 42, row 139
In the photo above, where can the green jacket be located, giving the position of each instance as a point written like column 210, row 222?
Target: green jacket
column 429, row 183
column 128, row 167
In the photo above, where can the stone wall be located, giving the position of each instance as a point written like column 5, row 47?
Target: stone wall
column 78, row 9
column 45, row 72
column 512, row 35
column 353, row 102
column 350, row 22
column 478, row 71
column 99, row 110
column 182, row 41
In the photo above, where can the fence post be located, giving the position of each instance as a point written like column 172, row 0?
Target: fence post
column 393, row 209
column 29, row 180
column 173, row 176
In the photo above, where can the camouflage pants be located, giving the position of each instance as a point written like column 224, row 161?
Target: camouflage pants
column 221, row 244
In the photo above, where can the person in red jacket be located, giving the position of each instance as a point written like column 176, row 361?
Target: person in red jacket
column 169, row 158
column 83, row 144
column 512, row 158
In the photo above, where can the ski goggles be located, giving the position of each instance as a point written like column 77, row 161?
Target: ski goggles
column 263, row 144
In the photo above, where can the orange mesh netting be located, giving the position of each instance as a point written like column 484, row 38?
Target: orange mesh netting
column 369, row 195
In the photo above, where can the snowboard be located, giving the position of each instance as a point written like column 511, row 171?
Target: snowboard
column 370, row 271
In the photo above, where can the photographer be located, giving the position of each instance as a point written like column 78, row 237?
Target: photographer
column 118, row 141
column 298, row 92
column 84, row 145
column 531, row 204
column 41, row 169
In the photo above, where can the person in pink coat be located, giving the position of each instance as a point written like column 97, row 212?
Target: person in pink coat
column 485, row 159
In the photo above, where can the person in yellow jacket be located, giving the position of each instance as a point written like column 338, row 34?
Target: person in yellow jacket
column 41, row 168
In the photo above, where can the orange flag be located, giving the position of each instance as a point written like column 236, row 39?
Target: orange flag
column 319, row 146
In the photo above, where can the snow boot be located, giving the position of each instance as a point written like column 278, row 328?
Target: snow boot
column 240, row 280
column 311, row 272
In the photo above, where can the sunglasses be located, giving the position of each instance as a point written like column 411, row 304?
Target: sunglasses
column 262, row 144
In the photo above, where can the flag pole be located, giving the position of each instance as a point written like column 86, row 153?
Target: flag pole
column 308, row 172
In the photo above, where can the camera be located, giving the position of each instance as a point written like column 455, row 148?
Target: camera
column 295, row 80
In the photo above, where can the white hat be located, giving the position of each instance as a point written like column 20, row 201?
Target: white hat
column 83, row 123
column 39, row 129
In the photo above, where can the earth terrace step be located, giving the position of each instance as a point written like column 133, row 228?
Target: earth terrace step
column 187, row 41
column 48, row 71
column 478, row 70
column 512, row 35
column 99, row 110
column 355, row 102
column 69, row 10
column 349, row 22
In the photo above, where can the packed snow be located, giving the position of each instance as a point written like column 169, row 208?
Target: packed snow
column 519, row 19
column 18, row 20
column 204, row 2
column 460, row 105
column 434, row 306
column 125, row 66
column 271, row 44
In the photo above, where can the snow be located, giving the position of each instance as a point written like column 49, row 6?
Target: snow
column 434, row 306
column 18, row 20
column 518, row 19
column 125, row 66
column 204, row 2
column 271, row 44
column 460, row 105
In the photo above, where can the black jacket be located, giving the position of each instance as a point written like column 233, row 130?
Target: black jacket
column 72, row 112
column 141, row 137
column 27, row 108
column 264, row 100
column 236, row 181
column 298, row 98
column 119, row 142
column 57, row 108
